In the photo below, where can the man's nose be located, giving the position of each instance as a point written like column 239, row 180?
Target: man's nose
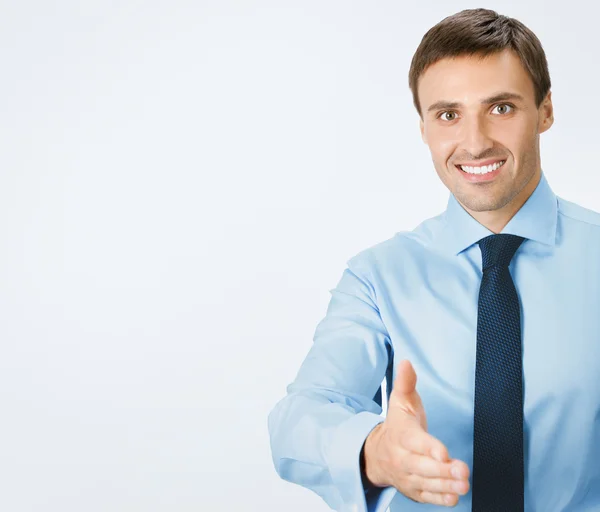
column 475, row 137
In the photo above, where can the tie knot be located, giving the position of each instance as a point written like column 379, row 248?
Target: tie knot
column 498, row 249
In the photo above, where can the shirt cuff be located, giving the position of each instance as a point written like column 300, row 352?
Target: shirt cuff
column 344, row 465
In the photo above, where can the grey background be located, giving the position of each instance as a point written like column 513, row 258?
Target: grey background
column 181, row 186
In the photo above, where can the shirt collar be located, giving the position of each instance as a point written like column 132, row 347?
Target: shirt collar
column 535, row 220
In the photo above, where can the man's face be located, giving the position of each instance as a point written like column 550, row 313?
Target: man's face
column 473, row 132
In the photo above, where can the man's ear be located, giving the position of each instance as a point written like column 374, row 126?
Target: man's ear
column 422, row 128
column 546, row 113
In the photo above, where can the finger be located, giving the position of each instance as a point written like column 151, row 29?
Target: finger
column 406, row 379
column 460, row 470
column 404, row 391
column 439, row 485
column 449, row 500
column 425, row 466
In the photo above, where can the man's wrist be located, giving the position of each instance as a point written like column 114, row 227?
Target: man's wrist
column 366, row 460
column 363, row 471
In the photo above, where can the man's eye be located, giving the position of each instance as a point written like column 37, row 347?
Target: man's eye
column 504, row 105
column 447, row 112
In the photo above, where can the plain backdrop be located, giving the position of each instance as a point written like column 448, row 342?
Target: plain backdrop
column 182, row 184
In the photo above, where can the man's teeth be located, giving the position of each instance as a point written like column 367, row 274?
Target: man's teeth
column 482, row 170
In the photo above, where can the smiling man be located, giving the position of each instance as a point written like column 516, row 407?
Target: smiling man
column 492, row 305
column 481, row 111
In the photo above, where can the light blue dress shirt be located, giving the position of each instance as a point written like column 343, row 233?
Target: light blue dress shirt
column 414, row 296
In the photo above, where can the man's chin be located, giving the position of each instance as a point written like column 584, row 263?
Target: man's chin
column 482, row 203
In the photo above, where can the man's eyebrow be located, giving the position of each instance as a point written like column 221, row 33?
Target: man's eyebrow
column 502, row 96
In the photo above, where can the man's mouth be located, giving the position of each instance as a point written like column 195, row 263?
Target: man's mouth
column 481, row 174
column 484, row 169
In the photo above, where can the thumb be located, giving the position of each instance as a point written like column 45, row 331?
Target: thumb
column 406, row 379
column 404, row 395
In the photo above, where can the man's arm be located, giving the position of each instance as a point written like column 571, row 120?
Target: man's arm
column 318, row 429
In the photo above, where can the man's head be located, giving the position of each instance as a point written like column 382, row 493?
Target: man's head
column 458, row 72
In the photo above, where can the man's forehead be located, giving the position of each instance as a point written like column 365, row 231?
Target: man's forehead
column 506, row 59
column 472, row 79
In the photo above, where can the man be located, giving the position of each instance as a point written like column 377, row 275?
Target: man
column 494, row 304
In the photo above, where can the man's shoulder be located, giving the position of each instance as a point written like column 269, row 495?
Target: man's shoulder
column 577, row 212
column 404, row 243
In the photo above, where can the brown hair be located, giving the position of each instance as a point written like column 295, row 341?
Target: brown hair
column 480, row 32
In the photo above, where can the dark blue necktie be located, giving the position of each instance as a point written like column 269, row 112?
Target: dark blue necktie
column 498, row 424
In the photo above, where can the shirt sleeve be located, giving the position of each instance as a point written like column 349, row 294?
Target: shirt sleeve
column 318, row 429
